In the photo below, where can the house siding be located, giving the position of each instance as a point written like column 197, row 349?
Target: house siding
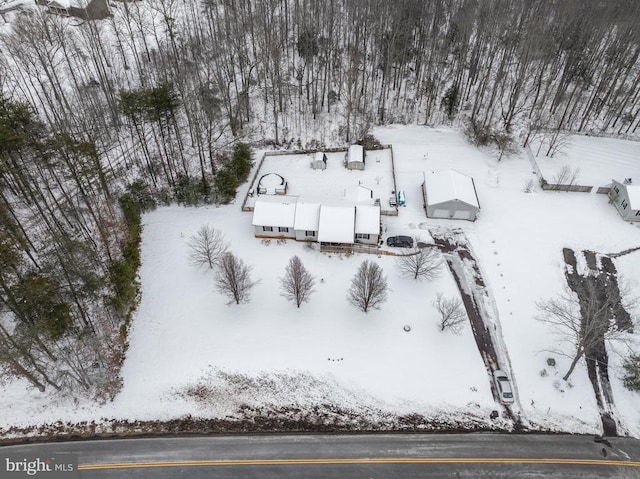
column 452, row 210
column 373, row 239
column 619, row 196
column 302, row 236
column 261, row 233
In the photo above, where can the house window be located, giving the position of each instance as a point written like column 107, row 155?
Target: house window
column 283, row 230
column 267, row 228
column 309, row 233
column 638, row 213
column 362, row 236
column 624, row 204
column 615, row 188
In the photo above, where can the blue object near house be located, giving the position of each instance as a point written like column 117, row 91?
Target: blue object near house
column 401, row 199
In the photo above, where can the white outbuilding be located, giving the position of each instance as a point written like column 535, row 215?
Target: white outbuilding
column 355, row 157
column 450, row 194
column 319, row 161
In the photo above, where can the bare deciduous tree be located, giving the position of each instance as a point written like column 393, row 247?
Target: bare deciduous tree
column 583, row 320
column 451, row 314
column 233, row 278
column 567, row 175
column 368, row 287
column 505, row 143
column 207, row 247
column 421, row 264
column 297, row 283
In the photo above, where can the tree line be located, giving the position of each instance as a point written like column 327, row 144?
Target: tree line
column 165, row 87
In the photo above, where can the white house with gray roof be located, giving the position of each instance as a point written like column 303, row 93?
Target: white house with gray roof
column 304, row 219
column 625, row 197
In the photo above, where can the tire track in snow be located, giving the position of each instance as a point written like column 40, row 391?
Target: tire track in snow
column 602, row 272
column 475, row 296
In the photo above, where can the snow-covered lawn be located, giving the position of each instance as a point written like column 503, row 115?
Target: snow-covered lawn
column 267, row 352
column 184, row 328
column 519, row 239
column 597, row 160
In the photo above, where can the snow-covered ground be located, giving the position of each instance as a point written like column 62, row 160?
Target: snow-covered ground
column 519, row 239
column 597, row 160
column 186, row 339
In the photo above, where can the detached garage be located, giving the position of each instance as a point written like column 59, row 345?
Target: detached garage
column 451, row 195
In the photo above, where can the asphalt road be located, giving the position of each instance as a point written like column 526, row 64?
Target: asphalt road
column 351, row 456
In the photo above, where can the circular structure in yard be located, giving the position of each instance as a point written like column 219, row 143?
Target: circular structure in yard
column 271, row 184
column 407, row 328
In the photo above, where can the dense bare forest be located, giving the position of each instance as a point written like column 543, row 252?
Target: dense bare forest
column 99, row 120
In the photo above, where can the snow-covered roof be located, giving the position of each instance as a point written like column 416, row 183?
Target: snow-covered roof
column 633, row 192
column 337, row 224
column 356, row 153
column 449, row 185
column 318, row 156
column 367, row 219
column 66, row 3
column 307, row 215
column 359, row 193
column 274, row 211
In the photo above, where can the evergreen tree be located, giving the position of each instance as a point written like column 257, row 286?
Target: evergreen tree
column 241, row 162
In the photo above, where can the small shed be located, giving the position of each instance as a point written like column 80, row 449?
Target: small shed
column 336, row 224
column 367, row 227
column 450, row 194
column 625, row 197
column 355, row 157
column 306, row 221
column 319, row 161
column 274, row 217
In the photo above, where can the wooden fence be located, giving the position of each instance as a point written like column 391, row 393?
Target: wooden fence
column 555, row 187
column 246, row 207
column 534, row 164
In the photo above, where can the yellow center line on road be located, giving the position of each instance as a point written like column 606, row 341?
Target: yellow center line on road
column 360, row 461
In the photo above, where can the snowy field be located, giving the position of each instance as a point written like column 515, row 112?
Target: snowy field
column 185, row 338
column 519, row 239
column 336, row 181
column 597, row 160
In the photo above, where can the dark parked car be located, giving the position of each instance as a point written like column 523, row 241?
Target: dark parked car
column 400, row 241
